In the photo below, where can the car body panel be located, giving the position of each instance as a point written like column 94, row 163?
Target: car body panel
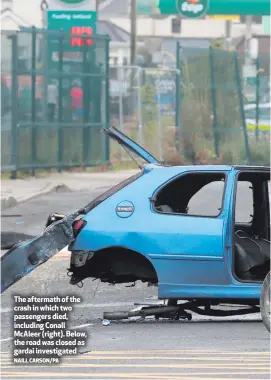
column 191, row 254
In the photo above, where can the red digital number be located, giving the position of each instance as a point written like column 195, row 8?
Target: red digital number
column 81, row 30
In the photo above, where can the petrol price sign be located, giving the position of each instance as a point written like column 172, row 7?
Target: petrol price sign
column 81, row 25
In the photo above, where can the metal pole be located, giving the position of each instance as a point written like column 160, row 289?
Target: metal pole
column 178, row 96
column 160, row 132
column 107, row 101
column 228, row 28
column 97, row 3
column 133, row 33
column 121, row 85
column 257, row 97
column 139, row 108
column 45, row 62
column 60, row 97
column 248, row 37
column 14, row 106
column 213, row 94
column 86, row 102
column 33, row 101
column 46, row 75
column 241, row 105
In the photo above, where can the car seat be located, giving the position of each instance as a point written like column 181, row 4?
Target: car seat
column 252, row 255
column 165, row 208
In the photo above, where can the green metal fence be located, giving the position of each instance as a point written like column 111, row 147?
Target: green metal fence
column 205, row 99
column 212, row 118
column 55, row 100
column 142, row 105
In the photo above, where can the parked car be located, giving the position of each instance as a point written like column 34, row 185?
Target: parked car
column 200, row 233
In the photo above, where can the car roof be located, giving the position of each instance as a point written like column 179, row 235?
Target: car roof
column 212, row 167
column 254, row 168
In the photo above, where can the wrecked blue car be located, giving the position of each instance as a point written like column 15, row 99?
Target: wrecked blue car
column 199, row 233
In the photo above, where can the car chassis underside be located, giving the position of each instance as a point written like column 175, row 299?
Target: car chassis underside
column 175, row 311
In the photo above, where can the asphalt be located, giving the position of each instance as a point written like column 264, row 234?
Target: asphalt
column 204, row 348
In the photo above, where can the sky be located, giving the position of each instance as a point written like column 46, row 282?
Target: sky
column 29, row 10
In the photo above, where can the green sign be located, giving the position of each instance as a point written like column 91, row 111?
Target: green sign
column 70, row 54
column 220, row 7
column 80, row 24
column 146, row 7
column 75, row 50
column 65, row 20
column 193, row 8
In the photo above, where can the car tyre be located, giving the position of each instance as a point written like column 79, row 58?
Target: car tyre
column 265, row 302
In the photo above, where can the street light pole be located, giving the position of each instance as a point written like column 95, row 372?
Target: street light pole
column 133, row 33
column 248, row 37
column 228, row 28
column 97, row 8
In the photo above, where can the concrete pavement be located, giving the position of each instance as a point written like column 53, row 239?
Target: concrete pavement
column 21, row 190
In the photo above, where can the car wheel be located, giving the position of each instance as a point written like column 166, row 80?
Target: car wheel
column 265, row 302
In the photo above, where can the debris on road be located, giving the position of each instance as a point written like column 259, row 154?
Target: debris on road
column 106, row 322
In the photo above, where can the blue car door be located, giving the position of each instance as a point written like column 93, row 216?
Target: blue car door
column 190, row 250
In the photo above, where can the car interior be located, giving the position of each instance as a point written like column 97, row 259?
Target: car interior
column 252, row 226
column 192, row 194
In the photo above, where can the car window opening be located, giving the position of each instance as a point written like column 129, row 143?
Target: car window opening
column 194, row 194
column 251, row 256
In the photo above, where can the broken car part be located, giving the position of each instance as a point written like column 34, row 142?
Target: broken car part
column 180, row 311
column 54, row 217
column 25, row 257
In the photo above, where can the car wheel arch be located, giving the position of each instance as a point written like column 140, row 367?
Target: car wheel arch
column 121, row 259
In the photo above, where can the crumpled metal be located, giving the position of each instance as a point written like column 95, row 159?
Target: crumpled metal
column 24, row 257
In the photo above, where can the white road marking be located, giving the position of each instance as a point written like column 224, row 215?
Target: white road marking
column 3, row 340
column 79, row 326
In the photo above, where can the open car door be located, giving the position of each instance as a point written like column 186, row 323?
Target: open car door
column 23, row 258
